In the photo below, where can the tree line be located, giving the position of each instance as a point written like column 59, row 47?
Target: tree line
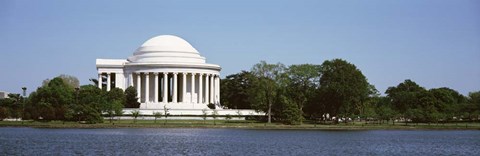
column 334, row 90
column 61, row 98
column 337, row 88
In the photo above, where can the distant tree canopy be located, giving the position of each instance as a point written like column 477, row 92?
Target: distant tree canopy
column 338, row 88
column 294, row 92
column 51, row 101
column 343, row 88
column 58, row 99
column 72, row 81
column 438, row 104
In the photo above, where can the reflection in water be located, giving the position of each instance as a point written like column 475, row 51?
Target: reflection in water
column 171, row 141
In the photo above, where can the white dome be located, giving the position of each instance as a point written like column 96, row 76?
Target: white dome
column 166, row 49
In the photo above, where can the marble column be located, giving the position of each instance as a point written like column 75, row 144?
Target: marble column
column 165, row 87
column 192, row 88
column 109, row 81
column 147, row 87
column 212, row 90
column 130, row 79
column 184, row 86
column 200, row 88
column 100, row 80
column 139, row 86
column 156, row 88
column 175, row 87
column 207, row 86
column 214, row 93
column 218, row 89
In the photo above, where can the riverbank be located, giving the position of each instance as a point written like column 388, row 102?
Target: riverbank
column 239, row 125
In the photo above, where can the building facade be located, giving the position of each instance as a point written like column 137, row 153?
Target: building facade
column 166, row 71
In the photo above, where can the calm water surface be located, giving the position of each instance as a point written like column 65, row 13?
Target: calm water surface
column 146, row 141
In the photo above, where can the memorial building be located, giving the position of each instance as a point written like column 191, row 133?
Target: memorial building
column 166, row 71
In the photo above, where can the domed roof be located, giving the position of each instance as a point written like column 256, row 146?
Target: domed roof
column 166, row 49
column 169, row 43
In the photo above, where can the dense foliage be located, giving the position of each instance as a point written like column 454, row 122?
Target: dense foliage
column 238, row 86
column 59, row 99
column 415, row 103
column 337, row 88
column 343, row 89
column 131, row 98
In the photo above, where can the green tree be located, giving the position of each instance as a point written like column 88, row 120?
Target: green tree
column 4, row 113
column 384, row 109
column 235, row 90
column 72, row 81
column 157, row 115
column 135, row 114
column 419, row 105
column 474, row 98
column 116, row 94
column 370, row 113
column 412, row 114
column 287, row 110
column 113, row 109
column 7, row 107
column 343, row 88
column 89, row 114
column 266, row 86
column 427, row 107
column 69, row 115
column 131, row 99
column 52, row 101
column 448, row 102
column 304, row 81
column 473, row 105
column 119, row 113
column 92, row 102
column 405, row 97
column 115, row 99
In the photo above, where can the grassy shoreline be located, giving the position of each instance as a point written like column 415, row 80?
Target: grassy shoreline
column 239, row 125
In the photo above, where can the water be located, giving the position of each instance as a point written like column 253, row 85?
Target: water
column 146, row 141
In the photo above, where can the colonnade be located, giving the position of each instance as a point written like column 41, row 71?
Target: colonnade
column 110, row 80
column 171, row 87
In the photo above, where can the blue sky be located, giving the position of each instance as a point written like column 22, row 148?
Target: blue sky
column 436, row 43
